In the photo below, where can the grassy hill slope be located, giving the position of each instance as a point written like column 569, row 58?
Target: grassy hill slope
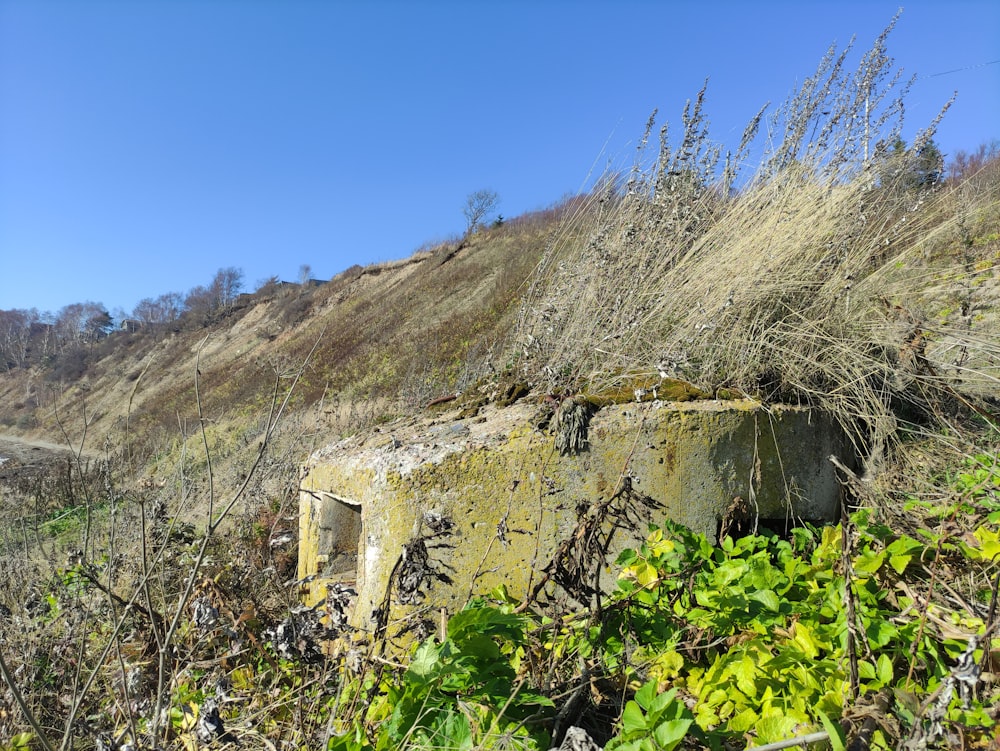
column 370, row 344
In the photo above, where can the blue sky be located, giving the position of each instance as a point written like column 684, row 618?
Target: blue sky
column 146, row 144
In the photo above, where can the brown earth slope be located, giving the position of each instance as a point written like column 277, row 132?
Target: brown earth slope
column 371, row 343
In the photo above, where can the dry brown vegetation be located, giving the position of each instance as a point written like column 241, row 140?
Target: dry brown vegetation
column 401, row 333
column 844, row 273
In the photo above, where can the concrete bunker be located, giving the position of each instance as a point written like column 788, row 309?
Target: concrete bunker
column 500, row 499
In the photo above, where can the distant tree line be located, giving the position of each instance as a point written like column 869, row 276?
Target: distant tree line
column 200, row 302
column 63, row 342
column 64, row 339
column 28, row 336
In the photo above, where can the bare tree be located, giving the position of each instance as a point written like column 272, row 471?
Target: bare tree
column 226, row 286
column 965, row 164
column 477, row 206
column 163, row 309
column 218, row 297
column 199, row 301
column 71, row 324
column 15, row 336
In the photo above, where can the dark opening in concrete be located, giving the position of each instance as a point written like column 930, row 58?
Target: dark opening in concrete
column 339, row 537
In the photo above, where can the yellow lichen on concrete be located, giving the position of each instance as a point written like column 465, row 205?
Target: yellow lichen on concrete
column 644, row 388
column 509, row 498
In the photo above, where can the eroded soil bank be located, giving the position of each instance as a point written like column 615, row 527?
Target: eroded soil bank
column 20, row 457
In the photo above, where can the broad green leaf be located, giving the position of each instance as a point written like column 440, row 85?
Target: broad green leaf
column 529, row 697
column 884, row 669
column 727, row 709
column 669, row 734
column 645, row 695
column 804, row 639
column 775, row 727
column 454, row 726
column 989, row 543
column 501, row 594
column 617, row 744
column 660, row 703
column 645, row 574
column 881, row 633
column 900, row 562
column 633, row 719
column 830, row 543
column 832, row 701
column 768, row 599
column 425, row 661
column 717, row 697
column 904, row 544
column 901, row 551
column 696, row 680
column 667, row 665
column 742, row 721
column 706, row 716
column 729, row 572
column 645, row 597
column 481, row 647
column 352, row 740
column 869, row 562
column 662, row 548
column 745, row 670
column 476, row 621
column 838, row 738
column 626, row 557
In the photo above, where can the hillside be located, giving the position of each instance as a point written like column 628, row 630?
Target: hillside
column 151, row 592
column 368, row 345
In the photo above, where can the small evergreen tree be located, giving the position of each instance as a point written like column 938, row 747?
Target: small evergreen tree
column 908, row 169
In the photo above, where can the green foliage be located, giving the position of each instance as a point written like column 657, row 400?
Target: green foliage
column 17, row 742
column 465, row 691
column 652, row 722
column 746, row 642
column 699, row 645
column 912, row 169
column 775, row 617
column 770, row 656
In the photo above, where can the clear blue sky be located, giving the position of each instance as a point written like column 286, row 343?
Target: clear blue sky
column 146, row 144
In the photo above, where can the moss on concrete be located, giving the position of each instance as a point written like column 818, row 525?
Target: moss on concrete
column 512, row 498
column 644, row 388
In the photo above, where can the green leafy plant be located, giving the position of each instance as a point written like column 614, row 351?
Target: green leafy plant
column 652, row 722
column 464, row 691
column 754, row 632
column 18, row 742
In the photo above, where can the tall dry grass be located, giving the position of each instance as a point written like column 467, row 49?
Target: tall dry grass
column 831, row 276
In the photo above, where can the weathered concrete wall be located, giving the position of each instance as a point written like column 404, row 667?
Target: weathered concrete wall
column 692, row 458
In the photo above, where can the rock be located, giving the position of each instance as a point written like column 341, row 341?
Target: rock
column 576, row 739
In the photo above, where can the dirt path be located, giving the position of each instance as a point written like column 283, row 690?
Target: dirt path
column 26, row 453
